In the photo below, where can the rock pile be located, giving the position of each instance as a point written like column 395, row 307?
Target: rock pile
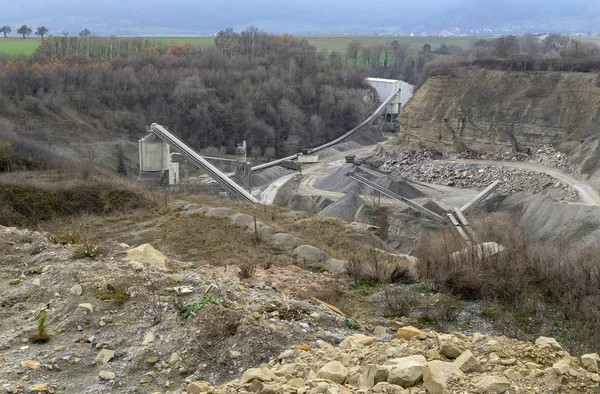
column 421, row 362
column 544, row 154
column 433, row 167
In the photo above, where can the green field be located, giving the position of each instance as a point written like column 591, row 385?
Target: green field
column 19, row 46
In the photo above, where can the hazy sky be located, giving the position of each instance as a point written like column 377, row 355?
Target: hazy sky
column 292, row 15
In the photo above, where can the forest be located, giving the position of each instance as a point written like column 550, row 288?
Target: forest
column 277, row 92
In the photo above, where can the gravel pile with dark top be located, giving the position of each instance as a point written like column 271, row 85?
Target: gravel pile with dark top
column 345, row 208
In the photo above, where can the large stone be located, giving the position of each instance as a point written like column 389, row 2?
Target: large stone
column 492, row 384
column 545, row 342
column 357, row 341
column 436, row 375
column 262, row 374
column 561, row 367
column 450, row 346
column 410, row 332
column 148, row 338
column 371, row 375
column 197, row 387
column 148, row 256
column 491, row 346
column 590, row 362
column 334, row 371
column 40, row 388
column 30, row 364
column 387, row 388
column 89, row 308
column 104, row 356
column 107, row 375
column 307, row 256
column 408, row 371
column 379, row 331
column 467, row 362
column 76, row 289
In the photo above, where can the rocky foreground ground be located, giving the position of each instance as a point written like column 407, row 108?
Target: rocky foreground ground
column 414, row 361
column 192, row 329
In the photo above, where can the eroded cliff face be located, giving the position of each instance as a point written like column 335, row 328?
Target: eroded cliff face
column 496, row 111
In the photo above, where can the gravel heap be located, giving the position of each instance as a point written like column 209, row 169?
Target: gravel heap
column 545, row 155
column 417, row 362
column 337, row 181
column 428, row 166
column 345, row 208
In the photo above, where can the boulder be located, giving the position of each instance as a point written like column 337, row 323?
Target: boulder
column 148, row 257
column 436, row 375
column 107, row 375
column 89, row 308
column 371, row 375
column 492, row 384
column 467, row 362
column 262, row 374
column 357, row 341
column 590, row 362
column 334, row 371
column 76, row 289
column 286, row 241
column 410, row 332
column 31, row 364
column 40, row 388
column 491, row 346
column 197, row 387
column 407, row 371
column 450, row 346
column 545, row 342
column 561, row 367
column 307, row 256
column 379, row 331
column 104, row 356
column 387, row 388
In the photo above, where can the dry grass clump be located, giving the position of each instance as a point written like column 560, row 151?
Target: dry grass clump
column 377, row 266
column 118, row 292
column 247, row 270
column 536, row 286
column 217, row 322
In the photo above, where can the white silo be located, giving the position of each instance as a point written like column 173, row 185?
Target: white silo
column 154, row 158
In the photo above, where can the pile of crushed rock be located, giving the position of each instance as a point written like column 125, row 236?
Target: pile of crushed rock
column 413, row 361
column 433, row 167
column 544, row 154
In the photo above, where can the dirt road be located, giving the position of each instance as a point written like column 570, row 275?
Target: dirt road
column 587, row 194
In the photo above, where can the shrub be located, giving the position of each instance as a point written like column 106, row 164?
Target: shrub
column 192, row 309
column 525, row 283
column 247, row 270
column 42, row 335
column 87, row 249
column 118, row 293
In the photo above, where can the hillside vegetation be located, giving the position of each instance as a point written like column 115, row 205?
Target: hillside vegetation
column 276, row 92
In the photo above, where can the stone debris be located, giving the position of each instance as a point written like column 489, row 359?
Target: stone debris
column 435, row 167
column 363, row 364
